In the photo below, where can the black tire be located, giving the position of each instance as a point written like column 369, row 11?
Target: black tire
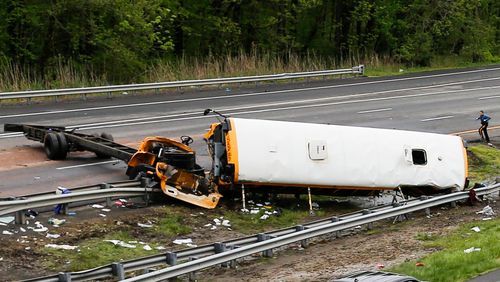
column 63, row 146
column 51, row 145
column 107, row 136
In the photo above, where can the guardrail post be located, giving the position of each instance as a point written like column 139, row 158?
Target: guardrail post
column 336, row 219
column 109, row 203
column 453, row 204
column 263, row 237
column 20, row 217
column 171, row 258
column 118, row 270
column 427, row 210
column 303, row 243
column 219, row 248
column 192, row 275
column 64, row 277
column 369, row 226
column 232, row 263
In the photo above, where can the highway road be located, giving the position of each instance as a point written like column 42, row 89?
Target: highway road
column 442, row 102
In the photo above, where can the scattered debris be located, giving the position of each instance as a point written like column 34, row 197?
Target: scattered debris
column 160, row 248
column 472, row 249
column 7, row 219
column 121, row 243
column 5, row 232
column 36, row 177
column 1, row 258
column 264, row 217
column 213, row 227
column 217, row 221
column 183, row 241
column 31, row 213
column 61, row 247
column 52, row 236
column 71, row 213
column 226, row 223
column 22, row 229
column 475, row 228
column 419, row 264
column 487, row 218
column 102, row 215
column 147, row 248
column 105, row 210
column 486, row 211
column 144, row 225
column 97, row 206
column 380, row 266
column 56, row 222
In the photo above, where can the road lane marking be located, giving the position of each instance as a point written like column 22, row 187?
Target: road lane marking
column 436, row 118
column 92, row 164
column 375, row 111
column 258, row 94
column 489, row 97
column 474, row 130
column 153, row 120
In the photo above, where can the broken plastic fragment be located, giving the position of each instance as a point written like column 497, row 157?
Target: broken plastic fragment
column 147, row 248
column 264, row 217
column 120, row 243
column 475, row 228
column 105, row 210
column 102, row 215
column 97, row 206
column 183, row 241
column 160, row 248
column 144, row 225
column 472, row 249
column 380, row 266
column 53, row 236
column 61, row 247
column 56, row 222
column 419, row 264
column 226, row 223
column 5, row 232
column 486, row 211
column 6, row 219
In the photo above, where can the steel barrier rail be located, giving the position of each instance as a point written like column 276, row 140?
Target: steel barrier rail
column 118, row 269
column 173, row 84
column 208, row 249
column 229, row 255
column 8, row 207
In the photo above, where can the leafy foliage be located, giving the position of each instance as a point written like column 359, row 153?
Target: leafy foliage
column 120, row 39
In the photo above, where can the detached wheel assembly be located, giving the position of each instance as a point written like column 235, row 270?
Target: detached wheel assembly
column 55, row 145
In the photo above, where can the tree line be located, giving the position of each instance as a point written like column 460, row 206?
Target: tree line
column 121, row 38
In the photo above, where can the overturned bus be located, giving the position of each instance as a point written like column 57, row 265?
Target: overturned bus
column 281, row 157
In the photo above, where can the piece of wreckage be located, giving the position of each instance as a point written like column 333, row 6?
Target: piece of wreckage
column 279, row 157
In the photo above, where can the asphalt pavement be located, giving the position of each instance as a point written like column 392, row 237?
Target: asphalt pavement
column 442, row 102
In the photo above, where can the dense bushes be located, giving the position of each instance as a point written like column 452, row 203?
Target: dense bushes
column 119, row 40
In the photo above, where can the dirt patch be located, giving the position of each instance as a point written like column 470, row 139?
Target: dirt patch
column 20, row 157
column 387, row 244
column 326, row 257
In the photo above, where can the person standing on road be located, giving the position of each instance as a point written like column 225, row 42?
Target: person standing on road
column 483, row 130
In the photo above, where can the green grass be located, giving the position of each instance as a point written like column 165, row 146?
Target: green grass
column 95, row 252
column 438, row 63
column 172, row 225
column 452, row 264
column 485, row 163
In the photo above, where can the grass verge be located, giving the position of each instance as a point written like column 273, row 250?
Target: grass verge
column 484, row 163
column 452, row 263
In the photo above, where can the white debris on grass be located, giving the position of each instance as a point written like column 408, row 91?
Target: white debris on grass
column 160, row 248
column 5, row 232
column 471, row 250
column 217, row 221
column 147, row 248
column 61, row 247
column 183, row 241
column 487, row 218
column 208, row 225
column 145, row 225
column 133, row 242
column 52, row 236
column 97, row 206
column 264, row 217
column 254, row 211
column 226, row 223
column 245, row 210
column 486, row 211
column 120, row 243
column 475, row 229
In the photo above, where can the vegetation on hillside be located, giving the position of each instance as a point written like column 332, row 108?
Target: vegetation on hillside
column 65, row 42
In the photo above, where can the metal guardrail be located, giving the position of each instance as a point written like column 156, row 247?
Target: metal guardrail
column 229, row 251
column 17, row 205
column 173, row 84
